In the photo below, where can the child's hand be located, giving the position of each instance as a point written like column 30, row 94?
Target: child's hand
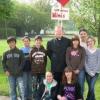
column 59, row 97
column 7, row 73
column 63, row 98
column 76, row 71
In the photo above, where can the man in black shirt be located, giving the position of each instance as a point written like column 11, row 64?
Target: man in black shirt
column 56, row 49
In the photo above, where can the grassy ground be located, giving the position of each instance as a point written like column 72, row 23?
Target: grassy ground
column 4, row 87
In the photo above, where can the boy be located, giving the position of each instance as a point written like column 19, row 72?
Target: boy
column 38, row 59
column 27, row 67
column 12, row 65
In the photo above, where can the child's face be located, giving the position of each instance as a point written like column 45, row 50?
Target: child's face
column 49, row 77
column 75, row 43
column 12, row 44
column 68, row 75
column 26, row 42
column 90, row 43
column 38, row 42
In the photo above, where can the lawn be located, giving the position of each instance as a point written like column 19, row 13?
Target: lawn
column 4, row 87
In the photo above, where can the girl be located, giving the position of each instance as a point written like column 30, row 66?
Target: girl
column 75, row 55
column 69, row 90
column 48, row 89
column 92, row 66
column 75, row 58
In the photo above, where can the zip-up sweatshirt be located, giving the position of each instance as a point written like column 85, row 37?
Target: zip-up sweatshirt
column 12, row 61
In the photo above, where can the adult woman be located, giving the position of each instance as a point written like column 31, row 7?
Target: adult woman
column 92, row 66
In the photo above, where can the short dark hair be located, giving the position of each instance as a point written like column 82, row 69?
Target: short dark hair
column 82, row 29
column 11, row 38
column 26, row 37
column 38, row 37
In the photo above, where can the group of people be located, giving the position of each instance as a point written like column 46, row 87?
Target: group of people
column 72, row 60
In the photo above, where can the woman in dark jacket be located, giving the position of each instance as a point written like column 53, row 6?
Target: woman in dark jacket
column 48, row 88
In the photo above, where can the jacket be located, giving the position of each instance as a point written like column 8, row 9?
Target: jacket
column 12, row 61
column 41, row 92
column 38, row 58
column 56, row 50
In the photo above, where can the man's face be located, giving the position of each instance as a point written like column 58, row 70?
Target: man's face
column 12, row 44
column 83, row 35
column 58, row 32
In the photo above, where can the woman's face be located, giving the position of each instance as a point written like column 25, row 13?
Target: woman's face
column 49, row 77
column 75, row 43
column 83, row 35
column 90, row 42
column 68, row 75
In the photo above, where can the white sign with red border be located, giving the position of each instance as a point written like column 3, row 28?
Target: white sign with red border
column 60, row 14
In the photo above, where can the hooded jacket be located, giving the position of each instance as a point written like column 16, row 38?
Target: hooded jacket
column 42, row 90
column 38, row 58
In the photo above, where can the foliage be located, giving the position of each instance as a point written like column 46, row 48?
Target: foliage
column 86, row 13
column 5, row 32
column 5, row 8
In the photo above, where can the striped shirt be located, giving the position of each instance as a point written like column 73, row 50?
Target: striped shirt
column 92, row 62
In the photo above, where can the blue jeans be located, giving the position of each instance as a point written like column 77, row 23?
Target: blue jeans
column 91, row 83
column 27, row 84
column 81, row 80
column 36, row 80
column 13, row 82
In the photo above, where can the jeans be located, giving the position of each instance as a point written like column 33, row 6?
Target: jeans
column 36, row 80
column 27, row 84
column 91, row 83
column 81, row 80
column 13, row 82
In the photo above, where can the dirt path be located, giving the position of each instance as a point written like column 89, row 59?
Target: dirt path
column 5, row 98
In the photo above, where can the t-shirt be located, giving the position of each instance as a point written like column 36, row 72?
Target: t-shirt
column 71, row 91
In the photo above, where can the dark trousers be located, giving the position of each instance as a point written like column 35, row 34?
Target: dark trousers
column 58, row 77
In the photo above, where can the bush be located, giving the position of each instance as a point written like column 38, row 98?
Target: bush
column 5, row 32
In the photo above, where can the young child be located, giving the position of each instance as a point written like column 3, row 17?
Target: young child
column 69, row 89
column 38, row 59
column 27, row 67
column 12, row 65
column 48, row 88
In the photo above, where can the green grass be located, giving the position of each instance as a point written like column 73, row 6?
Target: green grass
column 4, row 87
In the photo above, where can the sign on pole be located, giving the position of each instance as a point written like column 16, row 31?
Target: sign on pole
column 63, row 2
column 60, row 14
